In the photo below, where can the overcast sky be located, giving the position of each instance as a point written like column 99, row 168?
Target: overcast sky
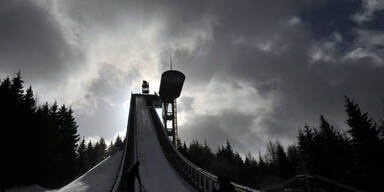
column 255, row 70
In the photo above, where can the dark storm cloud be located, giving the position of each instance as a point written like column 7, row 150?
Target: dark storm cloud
column 260, row 47
column 377, row 22
column 254, row 70
column 32, row 41
column 329, row 16
column 235, row 52
column 231, row 21
column 216, row 129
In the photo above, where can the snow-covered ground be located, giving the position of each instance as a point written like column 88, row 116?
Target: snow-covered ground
column 99, row 179
column 155, row 171
column 31, row 188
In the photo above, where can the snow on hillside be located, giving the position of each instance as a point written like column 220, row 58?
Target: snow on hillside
column 31, row 188
column 99, row 179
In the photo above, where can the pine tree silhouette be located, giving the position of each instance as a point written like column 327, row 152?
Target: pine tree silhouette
column 83, row 162
column 37, row 155
column 365, row 140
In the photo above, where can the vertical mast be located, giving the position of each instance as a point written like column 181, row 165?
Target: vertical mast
column 175, row 123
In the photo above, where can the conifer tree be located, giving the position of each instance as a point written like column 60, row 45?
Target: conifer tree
column 100, row 150
column 365, row 140
column 29, row 102
column 17, row 87
column 262, row 164
column 183, row 149
column 91, row 154
column 83, row 162
column 307, row 149
column 283, row 166
column 293, row 157
column 118, row 145
column 110, row 149
column 6, row 133
column 67, row 131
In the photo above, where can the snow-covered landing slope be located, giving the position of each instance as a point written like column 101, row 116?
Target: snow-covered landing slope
column 156, row 173
column 30, row 188
column 99, row 179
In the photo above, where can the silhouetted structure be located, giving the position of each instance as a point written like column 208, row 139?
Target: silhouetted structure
column 225, row 185
column 170, row 88
column 145, row 87
column 133, row 174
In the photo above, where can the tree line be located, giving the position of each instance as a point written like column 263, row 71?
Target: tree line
column 353, row 157
column 89, row 154
column 40, row 143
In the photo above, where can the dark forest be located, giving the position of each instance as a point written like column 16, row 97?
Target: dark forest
column 40, row 143
column 353, row 157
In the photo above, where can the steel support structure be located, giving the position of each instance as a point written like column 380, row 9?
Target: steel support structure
column 170, row 115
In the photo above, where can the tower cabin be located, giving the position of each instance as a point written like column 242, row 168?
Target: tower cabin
column 145, row 87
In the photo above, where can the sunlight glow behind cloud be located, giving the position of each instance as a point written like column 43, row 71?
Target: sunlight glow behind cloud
column 254, row 71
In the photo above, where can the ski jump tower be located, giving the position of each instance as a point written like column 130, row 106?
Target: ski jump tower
column 170, row 88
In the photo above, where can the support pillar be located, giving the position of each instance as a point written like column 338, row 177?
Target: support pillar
column 170, row 115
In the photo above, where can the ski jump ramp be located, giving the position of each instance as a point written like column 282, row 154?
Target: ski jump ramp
column 155, row 171
column 162, row 168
